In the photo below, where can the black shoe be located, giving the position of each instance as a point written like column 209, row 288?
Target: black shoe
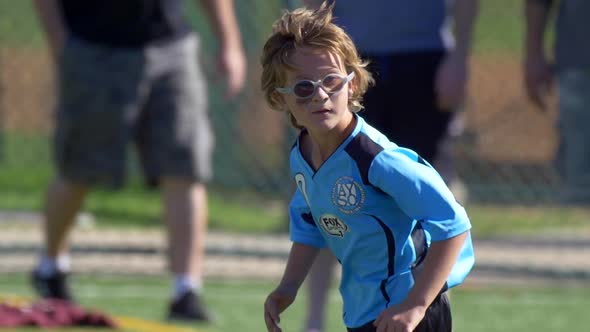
column 189, row 307
column 54, row 287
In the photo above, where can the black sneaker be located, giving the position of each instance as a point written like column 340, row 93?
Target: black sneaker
column 54, row 287
column 189, row 307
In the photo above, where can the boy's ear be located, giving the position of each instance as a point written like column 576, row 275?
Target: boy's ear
column 278, row 100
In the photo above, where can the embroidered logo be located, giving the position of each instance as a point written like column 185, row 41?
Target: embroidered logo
column 332, row 225
column 348, row 195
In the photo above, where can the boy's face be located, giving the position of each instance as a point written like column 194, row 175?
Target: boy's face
column 323, row 111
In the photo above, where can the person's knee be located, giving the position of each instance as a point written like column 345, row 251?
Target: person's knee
column 64, row 184
column 181, row 183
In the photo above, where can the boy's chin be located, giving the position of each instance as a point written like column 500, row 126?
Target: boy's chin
column 324, row 126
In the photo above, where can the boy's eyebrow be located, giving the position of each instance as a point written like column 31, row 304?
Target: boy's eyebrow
column 302, row 77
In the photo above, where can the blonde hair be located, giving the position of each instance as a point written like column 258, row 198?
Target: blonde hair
column 309, row 28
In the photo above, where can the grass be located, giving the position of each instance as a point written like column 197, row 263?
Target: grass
column 22, row 185
column 134, row 207
column 19, row 26
column 26, row 172
column 512, row 220
column 238, row 304
column 499, row 27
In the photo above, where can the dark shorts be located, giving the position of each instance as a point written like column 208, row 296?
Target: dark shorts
column 573, row 153
column 403, row 103
column 154, row 97
column 437, row 318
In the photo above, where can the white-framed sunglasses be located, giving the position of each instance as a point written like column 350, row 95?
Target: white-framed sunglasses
column 306, row 89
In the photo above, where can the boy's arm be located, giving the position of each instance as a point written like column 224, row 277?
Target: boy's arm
column 51, row 18
column 437, row 266
column 300, row 260
column 537, row 71
column 231, row 57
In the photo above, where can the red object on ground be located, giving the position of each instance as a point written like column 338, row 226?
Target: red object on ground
column 51, row 313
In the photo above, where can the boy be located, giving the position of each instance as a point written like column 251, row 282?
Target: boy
column 385, row 213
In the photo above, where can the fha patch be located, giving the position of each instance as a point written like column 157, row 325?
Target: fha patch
column 332, row 225
column 348, row 195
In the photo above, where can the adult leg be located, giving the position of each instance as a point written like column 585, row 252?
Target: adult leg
column 574, row 116
column 89, row 146
column 318, row 285
column 406, row 98
column 377, row 111
column 185, row 215
column 175, row 142
column 444, row 160
column 63, row 201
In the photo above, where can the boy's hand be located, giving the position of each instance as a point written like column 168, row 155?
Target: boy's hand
column 275, row 304
column 399, row 319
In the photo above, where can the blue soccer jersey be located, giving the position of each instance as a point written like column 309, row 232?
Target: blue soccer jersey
column 378, row 207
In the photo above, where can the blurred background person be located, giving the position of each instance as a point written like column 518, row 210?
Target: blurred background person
column 129, row 71
column 418, row 52
column 571, row 67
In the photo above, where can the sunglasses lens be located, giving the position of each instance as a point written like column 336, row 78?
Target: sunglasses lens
column 304, row 89
column 333, row 83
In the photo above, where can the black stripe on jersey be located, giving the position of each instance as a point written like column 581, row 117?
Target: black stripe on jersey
column 308, row 218
column 384, row 292
column 422, row 161
column 293, row 146
column 391, row 257
column 363, row 150
column 303, row 131
column 420, row 245
column 390, row 247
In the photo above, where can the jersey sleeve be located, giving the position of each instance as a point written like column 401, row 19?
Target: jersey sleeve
column 420, row 192
column 302, row 228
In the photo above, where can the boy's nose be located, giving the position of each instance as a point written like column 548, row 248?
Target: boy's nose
column 320, row 94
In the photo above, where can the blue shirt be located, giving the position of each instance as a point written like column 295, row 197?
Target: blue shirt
column 380, row 27
column 369, row 203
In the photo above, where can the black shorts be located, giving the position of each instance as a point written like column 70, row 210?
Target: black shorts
column 437, row 318
column 403, row 102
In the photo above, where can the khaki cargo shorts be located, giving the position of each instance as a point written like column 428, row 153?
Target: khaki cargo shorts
column 154, row 97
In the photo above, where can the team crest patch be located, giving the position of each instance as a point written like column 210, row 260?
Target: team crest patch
column 348, row 195
column 332, row 225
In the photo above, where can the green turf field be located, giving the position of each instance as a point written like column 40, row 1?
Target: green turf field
column 238, row 304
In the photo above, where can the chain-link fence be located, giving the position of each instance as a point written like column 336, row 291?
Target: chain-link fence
column 503, row 155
